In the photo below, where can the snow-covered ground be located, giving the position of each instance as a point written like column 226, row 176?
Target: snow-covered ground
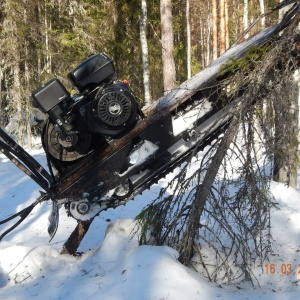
column 113, row 266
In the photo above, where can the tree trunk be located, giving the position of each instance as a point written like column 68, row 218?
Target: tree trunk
column 262, row 11
column 226, row 24
column 167, row 40
column 27, row 87
column 17, row 99
column 186, row 250
column 214, row 29
column 287, row 130
column 286, row 138
column 188, row 35
column 245, row 17
column 222, row 27
column 71, row 245
column 207, row 41
column 145, row 55
column 48, row 62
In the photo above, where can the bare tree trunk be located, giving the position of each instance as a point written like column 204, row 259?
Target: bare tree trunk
column 207, row 41
column 186, row 250
column 246, row 17
column 39, row 54
column 262, row 10
column 17, row 97
column 226, row 24
column 287, row 125
column 145, row 55
column 27, row 92
column 48, row 63
column 71, row 245
column 188, row 34
column 222, row 27
column 167, row 40
column 286, row 137
column 202, row 47
column 214, row 29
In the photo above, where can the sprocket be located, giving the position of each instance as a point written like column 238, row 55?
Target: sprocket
column 69, row 148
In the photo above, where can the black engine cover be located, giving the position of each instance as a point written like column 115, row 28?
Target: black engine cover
column 92, row 72
column 112, row 112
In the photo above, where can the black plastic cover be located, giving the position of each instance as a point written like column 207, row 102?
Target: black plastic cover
column 93, row 71
column 50, row 94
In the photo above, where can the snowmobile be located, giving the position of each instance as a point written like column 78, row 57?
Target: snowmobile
column 103, row 149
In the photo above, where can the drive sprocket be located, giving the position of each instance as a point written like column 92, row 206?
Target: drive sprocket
column 70, row 148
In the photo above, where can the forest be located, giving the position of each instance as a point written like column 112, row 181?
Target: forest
column 42, row 39
column 156, row 45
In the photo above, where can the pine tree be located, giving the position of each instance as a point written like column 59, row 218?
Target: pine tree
column 167, row 40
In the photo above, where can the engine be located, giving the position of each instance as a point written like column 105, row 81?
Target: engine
column 102, row 109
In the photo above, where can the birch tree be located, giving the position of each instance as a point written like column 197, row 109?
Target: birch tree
column 246, row 17
column 145, row 54
column 262, row 11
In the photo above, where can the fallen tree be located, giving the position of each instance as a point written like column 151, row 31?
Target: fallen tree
column 220, row 212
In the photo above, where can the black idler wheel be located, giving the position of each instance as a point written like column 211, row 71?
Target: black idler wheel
column 123, row 190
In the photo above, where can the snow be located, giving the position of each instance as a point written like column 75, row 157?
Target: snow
column 141, row 154
column 185, row 121
column 113, row 266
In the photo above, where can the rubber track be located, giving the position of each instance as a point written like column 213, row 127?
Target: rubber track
column 114, row 203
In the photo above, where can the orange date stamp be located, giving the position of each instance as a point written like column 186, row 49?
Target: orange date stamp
column 282, row 269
